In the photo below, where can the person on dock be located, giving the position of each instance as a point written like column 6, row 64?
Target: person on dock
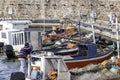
column 23, row 56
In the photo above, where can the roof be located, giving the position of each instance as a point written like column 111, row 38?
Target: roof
column 44, row 24
column 45, row 21
column 15, row 21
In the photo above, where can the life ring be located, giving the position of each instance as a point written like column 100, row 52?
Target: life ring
column 52, row 75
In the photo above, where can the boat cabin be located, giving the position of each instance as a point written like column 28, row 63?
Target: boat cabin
column 87, row 50
column 48, row 64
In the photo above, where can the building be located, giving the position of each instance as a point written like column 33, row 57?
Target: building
column 13, row 32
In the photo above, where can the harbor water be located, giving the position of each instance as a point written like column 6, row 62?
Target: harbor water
column 7, row 67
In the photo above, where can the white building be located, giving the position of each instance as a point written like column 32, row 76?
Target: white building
column 12, row 32
column 17, row 32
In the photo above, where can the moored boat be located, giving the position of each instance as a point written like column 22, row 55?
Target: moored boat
column 49, row 67
column 70, row 48
column 44, row 65
column 59, row 33
column 87, row 54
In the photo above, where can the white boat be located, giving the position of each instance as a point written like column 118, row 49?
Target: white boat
column 46, row 63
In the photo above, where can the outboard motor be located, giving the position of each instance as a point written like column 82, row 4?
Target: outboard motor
column 17, row 76
column 1, row 47
column 8, row 49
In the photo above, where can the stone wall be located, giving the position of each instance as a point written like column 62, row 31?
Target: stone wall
column 57, row 9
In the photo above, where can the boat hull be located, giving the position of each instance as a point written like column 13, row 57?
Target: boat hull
column 84, row 62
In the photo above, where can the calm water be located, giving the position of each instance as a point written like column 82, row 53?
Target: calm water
column 7, row 67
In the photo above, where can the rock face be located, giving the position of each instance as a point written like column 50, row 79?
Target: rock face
column 57, row 9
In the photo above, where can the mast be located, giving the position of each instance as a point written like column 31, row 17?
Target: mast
column 93, row 32
column 79, row 31
column 117, row 37
column 78, row 23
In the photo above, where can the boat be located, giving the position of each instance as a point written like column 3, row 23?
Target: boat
column 59, row 33
column 51, row 43
column 44, row 65
column 49, row 66
column 64, row 49
column 87, row 54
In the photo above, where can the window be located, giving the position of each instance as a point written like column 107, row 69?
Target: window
column 83, row 50
column 1, row 27
column 27, row 37
column 18, row 38
column 3, row 35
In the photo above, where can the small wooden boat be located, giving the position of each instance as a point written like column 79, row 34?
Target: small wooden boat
column 60, row 33
column 87, row 54
column 50, row 40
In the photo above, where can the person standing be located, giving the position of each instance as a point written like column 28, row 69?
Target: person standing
column 22, row 57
